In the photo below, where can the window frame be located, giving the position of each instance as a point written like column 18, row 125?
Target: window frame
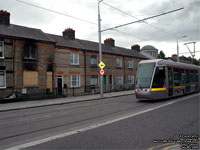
column 72, row 57
column 77, row 81
column 130, row 64
column 30, row 48
column 97, row 80
column 117, row 79
column 2, row 57
column 4, row 76
column 132, row 79
column 91, row 58
column 119, row 64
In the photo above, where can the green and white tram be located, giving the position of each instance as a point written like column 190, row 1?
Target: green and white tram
column 160, row 79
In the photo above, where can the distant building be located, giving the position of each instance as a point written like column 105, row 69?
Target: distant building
column 182, row 59
column 149, row 51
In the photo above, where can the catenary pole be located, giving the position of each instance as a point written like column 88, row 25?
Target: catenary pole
column 100, row 47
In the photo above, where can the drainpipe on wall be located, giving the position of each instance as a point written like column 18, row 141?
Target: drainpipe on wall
column 85, row 69
column 13, row 50
column 53, row 71
column 124, row 70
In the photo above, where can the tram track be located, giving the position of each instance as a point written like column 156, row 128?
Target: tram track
column 56, row 110
column 70, row 123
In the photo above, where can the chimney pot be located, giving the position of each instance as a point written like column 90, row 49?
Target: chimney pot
column 4, row 17
column 69, row 34
column 136, row 47
column 109, row 42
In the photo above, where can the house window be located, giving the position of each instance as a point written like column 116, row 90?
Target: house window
column 30, row 51
column 119, row 62
column 2, row 79
column 119, row 80
column 75, row 81
column 93, row 60
column 130, row 79
column 1, row 49
column 94, row 80
column 130, row 64
column 74, row 58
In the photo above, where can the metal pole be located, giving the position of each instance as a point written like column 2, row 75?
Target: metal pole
column 177, row 51
column 100, row 48
column 178, row 46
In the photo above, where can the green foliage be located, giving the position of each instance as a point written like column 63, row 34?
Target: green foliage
column 161, row 55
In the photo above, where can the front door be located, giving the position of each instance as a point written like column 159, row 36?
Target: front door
column 104, row 82
column 59, row 85
column 170, row 82
column 110, row 82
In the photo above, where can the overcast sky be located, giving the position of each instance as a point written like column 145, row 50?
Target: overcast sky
column 161, row 32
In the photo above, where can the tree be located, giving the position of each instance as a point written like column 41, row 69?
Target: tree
column 161, row 55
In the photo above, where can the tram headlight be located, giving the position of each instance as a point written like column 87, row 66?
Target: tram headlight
column 146, row 90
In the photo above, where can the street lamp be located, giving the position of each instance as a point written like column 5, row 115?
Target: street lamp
column 178, row 47
column 100, row 48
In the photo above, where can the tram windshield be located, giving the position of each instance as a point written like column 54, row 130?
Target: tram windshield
column 144, row 75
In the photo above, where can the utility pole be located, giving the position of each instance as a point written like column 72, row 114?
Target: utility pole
column 100, row 48
column 192, row 53
column 178, row 46
column 100, row 31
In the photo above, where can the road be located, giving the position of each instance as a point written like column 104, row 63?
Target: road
column 112, row 123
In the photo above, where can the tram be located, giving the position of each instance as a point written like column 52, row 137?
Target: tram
column 161, row 79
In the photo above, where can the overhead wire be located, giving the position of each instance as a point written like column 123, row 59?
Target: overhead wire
column 76, row 18
column 143, row 20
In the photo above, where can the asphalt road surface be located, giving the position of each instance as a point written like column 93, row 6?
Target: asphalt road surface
column 112, row 123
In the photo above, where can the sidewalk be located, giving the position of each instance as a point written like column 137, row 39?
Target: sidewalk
column 57, row 101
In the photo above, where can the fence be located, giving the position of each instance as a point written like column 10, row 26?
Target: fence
column 46, row 94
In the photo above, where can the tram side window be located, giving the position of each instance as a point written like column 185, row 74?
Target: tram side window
column 192, row 76
column 179, row 77
column 196, row 76
column 159, row 78
column 187, row 76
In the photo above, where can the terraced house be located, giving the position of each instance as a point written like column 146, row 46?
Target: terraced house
column 34, row 62
column 26, row 59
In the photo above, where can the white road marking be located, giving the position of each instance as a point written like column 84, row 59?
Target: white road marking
column 94, row 126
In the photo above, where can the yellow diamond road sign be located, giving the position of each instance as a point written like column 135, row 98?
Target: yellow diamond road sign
column 101, row 65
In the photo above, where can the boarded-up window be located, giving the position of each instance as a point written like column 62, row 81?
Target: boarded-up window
column 49, row 81
column 30, row 78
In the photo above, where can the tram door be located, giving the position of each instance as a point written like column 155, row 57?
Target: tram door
column 170, row 82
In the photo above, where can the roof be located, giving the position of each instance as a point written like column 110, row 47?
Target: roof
column 148, row 47
column 171, row 63
column 24, row 32
column 94, row 46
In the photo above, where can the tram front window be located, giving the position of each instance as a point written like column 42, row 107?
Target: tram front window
column 159, row 78
column 144, row 76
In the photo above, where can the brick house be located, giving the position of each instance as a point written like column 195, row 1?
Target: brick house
column 26, row 59
column 76, row 64
column 34, row 62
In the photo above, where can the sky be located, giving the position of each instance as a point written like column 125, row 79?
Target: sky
column 161, row 32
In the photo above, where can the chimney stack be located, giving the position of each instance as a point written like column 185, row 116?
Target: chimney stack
column 4, row 17
column 136, row 47
column 69, row 34
column 109, row 42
